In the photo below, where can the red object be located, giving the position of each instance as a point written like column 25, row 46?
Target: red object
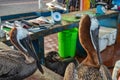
column 118, row 7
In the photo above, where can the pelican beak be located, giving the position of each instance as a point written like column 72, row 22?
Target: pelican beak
column 94, row 35
column 95, row 41
column 26, row 42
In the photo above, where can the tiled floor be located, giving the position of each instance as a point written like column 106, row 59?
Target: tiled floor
column 51, row 43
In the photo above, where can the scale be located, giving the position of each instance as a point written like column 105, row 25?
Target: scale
column 56, row 16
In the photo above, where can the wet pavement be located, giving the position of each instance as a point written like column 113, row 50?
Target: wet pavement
column 10, row 7
column 2, row 2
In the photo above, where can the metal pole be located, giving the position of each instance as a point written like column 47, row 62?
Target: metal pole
column 0, row 20
column 40, row 4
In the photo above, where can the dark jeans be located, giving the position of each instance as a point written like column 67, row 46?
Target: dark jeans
column 73, row 3
column 61, row 1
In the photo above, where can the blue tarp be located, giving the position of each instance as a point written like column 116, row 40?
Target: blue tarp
column 116, row 2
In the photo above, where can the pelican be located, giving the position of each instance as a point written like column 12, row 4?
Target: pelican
column 89, row 68
column 116, row 70
column 18, row 65
column 116, row 60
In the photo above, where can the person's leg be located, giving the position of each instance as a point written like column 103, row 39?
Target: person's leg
column 72, row 8
column 72, row 5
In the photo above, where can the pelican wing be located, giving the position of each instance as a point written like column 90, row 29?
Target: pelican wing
column 9, row 67
column 13, row 66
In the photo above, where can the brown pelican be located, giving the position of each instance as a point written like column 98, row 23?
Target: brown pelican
column 116, row 69
column 88, row 69
column 116, row 61
column 17, row 65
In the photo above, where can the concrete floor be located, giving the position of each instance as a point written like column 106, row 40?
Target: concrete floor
column 51, row 43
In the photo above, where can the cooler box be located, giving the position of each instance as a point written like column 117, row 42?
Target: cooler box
column 107, row 37
column 109, row 22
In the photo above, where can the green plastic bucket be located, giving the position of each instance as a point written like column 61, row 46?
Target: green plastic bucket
column 67, row 42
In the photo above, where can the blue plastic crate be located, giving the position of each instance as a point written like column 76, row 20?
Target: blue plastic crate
column 109, row 22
